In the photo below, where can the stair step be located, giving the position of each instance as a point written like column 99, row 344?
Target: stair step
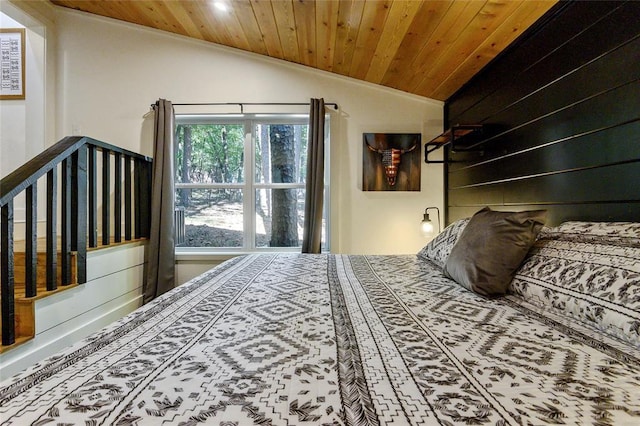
column 25, row 328
column 41, row 278
column 25, row 322
column 25, row 306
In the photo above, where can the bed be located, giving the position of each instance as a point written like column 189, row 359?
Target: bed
column 291, row 339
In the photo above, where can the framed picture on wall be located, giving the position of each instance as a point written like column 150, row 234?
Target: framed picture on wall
column 12, row 63
column 391, row 161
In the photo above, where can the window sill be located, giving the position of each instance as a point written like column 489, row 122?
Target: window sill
column 188, row 255
column 206, row 256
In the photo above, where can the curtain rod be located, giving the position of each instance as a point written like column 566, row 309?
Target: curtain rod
column 242, row 104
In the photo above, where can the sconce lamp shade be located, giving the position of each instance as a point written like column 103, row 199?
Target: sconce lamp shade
column 426, row 226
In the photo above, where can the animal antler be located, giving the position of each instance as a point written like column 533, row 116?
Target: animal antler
column 381, row 151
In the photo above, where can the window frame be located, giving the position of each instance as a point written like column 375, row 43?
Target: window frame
column 250, row 185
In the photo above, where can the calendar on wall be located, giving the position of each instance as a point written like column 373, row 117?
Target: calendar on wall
column 12, row 63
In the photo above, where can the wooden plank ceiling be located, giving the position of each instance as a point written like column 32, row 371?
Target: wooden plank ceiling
column 427, row 48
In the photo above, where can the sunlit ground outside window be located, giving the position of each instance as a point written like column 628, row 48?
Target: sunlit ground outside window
column 213, row 217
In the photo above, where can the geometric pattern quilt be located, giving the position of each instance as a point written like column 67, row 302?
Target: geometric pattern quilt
column 291, row 339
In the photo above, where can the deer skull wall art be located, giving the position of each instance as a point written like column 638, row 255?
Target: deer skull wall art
column 389, row 151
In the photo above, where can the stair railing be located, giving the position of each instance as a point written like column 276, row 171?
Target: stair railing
column 71, row 167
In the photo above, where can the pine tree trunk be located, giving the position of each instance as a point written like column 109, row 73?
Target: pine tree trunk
column 284, row 230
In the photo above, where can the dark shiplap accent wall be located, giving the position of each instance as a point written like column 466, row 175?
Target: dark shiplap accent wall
column 561, row 110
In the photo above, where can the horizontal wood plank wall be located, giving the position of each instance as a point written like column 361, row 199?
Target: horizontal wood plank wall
column 561, row 111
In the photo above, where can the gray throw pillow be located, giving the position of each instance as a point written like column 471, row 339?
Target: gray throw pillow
column 491, row 248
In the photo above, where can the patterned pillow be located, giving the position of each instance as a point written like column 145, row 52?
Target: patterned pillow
column 440, row 247
column 587, row 271
column 617, row 233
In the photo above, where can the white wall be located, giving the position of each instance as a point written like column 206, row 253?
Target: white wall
column 22, row 121
column 110, row 72
column 12, row 121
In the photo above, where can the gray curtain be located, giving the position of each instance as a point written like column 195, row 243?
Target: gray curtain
column 312, row 233
column 161, row 263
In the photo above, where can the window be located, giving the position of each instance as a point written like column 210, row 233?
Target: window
column 240, row 181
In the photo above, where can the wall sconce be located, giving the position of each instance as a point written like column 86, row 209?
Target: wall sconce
column 426, row 225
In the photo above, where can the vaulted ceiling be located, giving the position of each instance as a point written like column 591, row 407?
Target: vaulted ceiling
column 428, row 48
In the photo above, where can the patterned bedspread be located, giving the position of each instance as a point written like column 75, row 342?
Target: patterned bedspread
column 331, row 339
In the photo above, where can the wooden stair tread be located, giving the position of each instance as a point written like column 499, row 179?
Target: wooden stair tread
column 41, row 246
column 42, row 291
column 24, row 312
